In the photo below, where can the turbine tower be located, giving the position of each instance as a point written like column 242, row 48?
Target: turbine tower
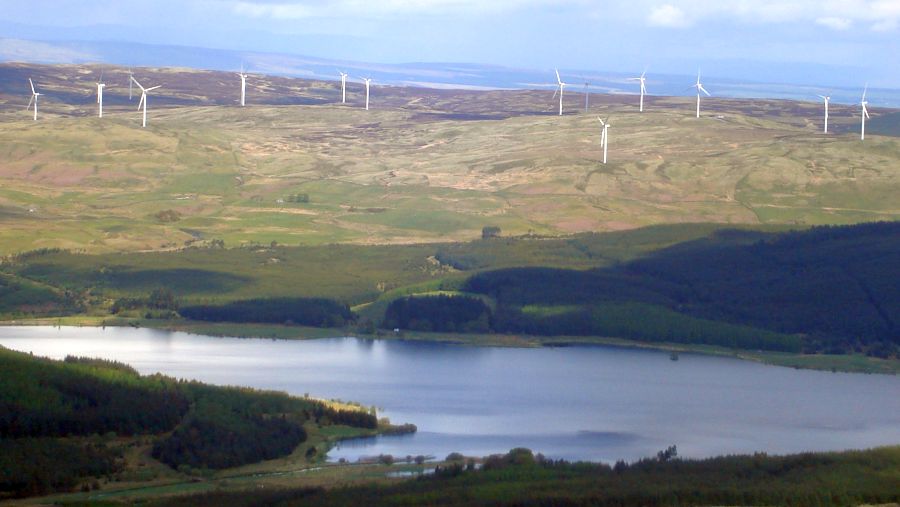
column 34, row 98
column 243, row 85
column 865, row 113
column 143, row 102
column 559, row 89
column 130, row 78
column 343, row 87
column 100, row 86
column 699, row 88
column 587, row 96
column 643, row 80
column 367, row 80
column 604, row 136
column 826, row 99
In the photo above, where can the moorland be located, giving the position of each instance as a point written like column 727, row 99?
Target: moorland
column 298, row 167
column 474, row 216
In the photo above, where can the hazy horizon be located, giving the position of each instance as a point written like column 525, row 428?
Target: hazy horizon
column 830, row 43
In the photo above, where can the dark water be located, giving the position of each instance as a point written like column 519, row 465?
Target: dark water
column 596, row 403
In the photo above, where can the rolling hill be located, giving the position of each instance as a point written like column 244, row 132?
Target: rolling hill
column 297, row 167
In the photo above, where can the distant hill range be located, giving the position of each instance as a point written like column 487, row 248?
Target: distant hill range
column 435, row 74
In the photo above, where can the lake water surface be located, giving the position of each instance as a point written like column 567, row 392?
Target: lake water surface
column 592, row 403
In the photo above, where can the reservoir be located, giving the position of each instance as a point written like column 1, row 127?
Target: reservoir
column 577, row 403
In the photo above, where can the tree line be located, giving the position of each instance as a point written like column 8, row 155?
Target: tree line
column 521, row 478
column 318, row 312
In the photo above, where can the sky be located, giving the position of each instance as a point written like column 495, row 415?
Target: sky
column 827, row 39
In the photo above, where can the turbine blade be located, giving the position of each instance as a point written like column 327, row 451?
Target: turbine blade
column 143, row 98
column 701, row 88
column 558, row 79
column 137, row 83
column 153, row 88
column 556, row 92
column 865, row 90
column 29, row 102
column 32, row 85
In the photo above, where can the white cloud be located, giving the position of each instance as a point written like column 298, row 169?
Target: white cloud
column 880, row 15
column 286, row 10
column 886, row 25
column 668, row 16
column 835, row 23
column 275, row 11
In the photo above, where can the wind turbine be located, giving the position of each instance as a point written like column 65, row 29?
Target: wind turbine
column 587, row 96
column 699, row 88
column 559, row 89
column 100, row 86
column 243, row 85
column 644, row 87
column 863, row 103
column 367, row 80
column 143, row 101
column 130, row 78
column 343, row 86
column 34, row 98
column 604, row 136
column 826, row 99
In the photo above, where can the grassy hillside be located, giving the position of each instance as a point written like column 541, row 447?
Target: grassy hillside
column 355, row 274
column 295, row 167
column 72, row 423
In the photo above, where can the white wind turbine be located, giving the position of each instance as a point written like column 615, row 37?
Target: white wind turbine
column 604, row 136
column 865, row 113
column 243, row 85
column 367, row 80
column 34, row 98
column 699, row 88
column 826, row 99
column 143, row 101
column 643, row 80
column 100, row 86
column 559, row 89
column 343, row 86
column 130, row 78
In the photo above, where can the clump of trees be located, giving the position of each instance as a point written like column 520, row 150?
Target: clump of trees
column 438, row 313
column 168, row 216
column 215, row 437
column 318, row 312
column 490, row 231
column 159, row 299
column 298, row 198
column 36, row 466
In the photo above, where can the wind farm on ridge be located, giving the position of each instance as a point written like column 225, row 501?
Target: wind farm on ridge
column 421, row 165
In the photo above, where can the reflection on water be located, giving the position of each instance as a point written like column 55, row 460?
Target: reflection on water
column 597, row 403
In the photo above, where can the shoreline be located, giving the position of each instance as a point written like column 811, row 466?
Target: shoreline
column 835, row 363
